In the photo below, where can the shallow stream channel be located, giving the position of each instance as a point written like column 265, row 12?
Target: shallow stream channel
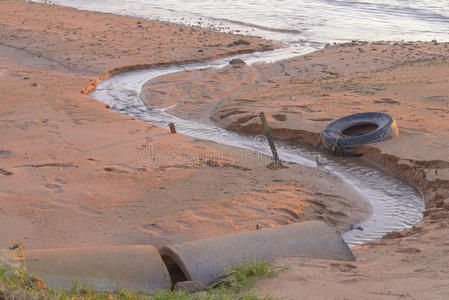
column 396, row 204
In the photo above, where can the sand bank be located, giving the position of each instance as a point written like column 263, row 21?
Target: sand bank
column 301, row 96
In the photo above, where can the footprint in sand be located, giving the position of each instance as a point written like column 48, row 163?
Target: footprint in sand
column 5, row 153
column 5, row 172
column 53, row 133
column 89, row 212
column 115, row 170
column 94, row 160
column 185, row 225
column 344, row 267
column 58, row 180
column 43, row 206
column 131, row 168
column 287, row 213
column 53, row 188
column 155, row 230
column 306, row 108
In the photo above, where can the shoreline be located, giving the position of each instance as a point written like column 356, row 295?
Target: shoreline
column 83, row 162
column 63, row 156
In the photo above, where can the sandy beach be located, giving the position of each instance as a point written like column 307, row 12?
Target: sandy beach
column 301, row 96
column 75, row 173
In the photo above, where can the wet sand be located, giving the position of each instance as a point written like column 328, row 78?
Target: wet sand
column 300, row 96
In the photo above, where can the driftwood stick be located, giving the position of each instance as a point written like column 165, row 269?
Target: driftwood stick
column 172, row 128
column 269, row 136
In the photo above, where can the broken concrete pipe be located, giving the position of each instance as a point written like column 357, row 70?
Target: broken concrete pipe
column 206, row 261
column 137, row 268
column 142, row 269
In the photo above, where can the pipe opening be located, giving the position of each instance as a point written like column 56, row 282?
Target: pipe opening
column 174, row 270
column 360, row 129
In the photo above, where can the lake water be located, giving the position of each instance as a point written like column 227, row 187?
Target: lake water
column 300, row 22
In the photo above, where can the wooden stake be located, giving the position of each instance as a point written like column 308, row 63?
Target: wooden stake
column 172, row 128
column 268, row 135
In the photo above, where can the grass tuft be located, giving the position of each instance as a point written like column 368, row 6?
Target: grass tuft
column 241, row 278
column 16, row 284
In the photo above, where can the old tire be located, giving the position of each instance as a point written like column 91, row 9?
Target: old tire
column 345, row 136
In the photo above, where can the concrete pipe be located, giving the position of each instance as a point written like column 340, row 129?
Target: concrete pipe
column 137, row 268
column 206, row 260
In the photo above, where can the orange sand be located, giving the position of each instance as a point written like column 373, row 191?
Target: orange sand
column 74, row 173
column 78, row 174
column 301, row 96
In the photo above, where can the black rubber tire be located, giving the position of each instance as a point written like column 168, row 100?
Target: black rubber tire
column 333, row 139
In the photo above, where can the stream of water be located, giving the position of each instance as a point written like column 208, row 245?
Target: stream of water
column 396, row 204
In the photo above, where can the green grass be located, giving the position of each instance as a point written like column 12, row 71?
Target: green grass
column 242, row 278
column 16, row 284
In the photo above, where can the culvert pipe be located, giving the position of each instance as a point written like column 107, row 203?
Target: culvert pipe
column 207, row 260
column 137, row 268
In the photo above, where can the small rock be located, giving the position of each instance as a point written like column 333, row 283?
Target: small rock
column 353, row 227
column 442, row 215
column 395, row 235
column 189, row 286
column 279, row 117
column 237, row 62
column 37, row 283
column 16, row 246
column 431, row 211
column 239, row 42
column 212, row 163
column 320, row 160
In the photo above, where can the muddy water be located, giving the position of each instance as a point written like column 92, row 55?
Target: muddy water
column 396, row 204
